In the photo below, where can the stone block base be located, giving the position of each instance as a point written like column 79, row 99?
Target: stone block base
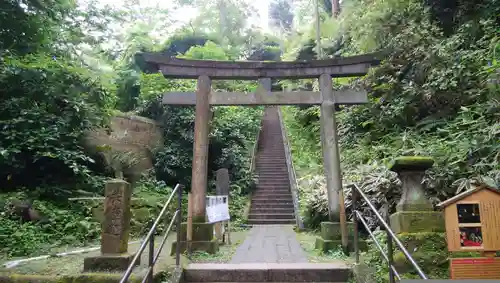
column 328, row 245
column 210, row 247
column 201, row 231
column 417, row 221
column 108, row 262
column 332, row 230
column 331, row 237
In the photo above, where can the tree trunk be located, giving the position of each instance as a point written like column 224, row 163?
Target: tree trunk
column 335, row 8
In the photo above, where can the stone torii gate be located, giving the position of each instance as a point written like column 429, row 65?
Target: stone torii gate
column 204, row 71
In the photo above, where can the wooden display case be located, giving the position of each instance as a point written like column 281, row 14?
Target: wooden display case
column 473, row 224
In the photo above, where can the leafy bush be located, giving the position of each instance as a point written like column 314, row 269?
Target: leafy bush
column 433, row 95
column 47, row 105
column 69, row 224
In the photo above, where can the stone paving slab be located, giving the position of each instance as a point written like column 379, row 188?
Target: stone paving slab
column 270, row 244
column 335, row 265
column 268, row 272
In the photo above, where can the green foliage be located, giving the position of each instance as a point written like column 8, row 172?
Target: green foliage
column 209, row 51
column 434, row 95
column 23, row 32
column 47, row 106
column 181, row 43
column 429, row 250
column 69, row 224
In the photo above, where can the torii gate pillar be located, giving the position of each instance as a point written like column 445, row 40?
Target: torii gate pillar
column 200, row 149
column 197, row 234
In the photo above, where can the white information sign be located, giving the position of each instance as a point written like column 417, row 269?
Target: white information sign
column 217, row 208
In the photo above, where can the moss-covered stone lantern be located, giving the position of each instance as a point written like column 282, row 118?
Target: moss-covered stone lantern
column 414, row 212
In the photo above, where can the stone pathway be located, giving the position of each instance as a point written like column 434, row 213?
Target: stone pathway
column 270, row 244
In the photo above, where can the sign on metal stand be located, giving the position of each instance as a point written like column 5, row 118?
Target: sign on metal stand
column 217, row 208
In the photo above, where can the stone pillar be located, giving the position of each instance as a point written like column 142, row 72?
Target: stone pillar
column 331, row 232
column 418, row 226
column 221, row 188
column 202, row 232
column 329, row 144
column 414, row 212
column 115, row 230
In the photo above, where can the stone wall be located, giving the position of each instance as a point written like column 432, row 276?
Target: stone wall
column 135, row 136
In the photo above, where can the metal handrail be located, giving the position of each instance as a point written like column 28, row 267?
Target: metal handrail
column 391, row 236
column 149, row 239
column 294, row 185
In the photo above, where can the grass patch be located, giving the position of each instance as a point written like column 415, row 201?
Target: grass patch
column 307, row 241
column 225, row 252
column 72, row 265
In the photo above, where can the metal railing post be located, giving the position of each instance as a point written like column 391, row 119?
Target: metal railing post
column 391, row 236
column 390, row 252
column 355, row 220
column 151, row 257
column 149, row 240
column 179, row 221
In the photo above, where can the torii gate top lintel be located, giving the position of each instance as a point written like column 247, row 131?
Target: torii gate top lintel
column 251, row 70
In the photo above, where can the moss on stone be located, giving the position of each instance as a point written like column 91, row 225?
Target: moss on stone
column 417, row 221
column 411, row 163
column 201, row 231
column 428, row 249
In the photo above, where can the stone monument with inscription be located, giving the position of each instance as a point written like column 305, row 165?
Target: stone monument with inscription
column 221, row 188
column 222, row 182
column 115, row 230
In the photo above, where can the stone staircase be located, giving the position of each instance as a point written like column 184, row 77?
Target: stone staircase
column 272, row 202
column 267, row 272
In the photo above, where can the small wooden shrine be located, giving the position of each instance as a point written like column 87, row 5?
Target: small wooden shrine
column 473, row 225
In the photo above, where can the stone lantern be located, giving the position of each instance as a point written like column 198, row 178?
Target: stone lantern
column 414, row 212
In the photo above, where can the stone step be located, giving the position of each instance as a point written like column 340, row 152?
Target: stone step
column 283, row 197
column 269, row 178
column 260, row 216
column 274, row 180
column 271, row 210
column 264, row 187
column 272, row 201
column 273, row 175
column 272, row 191
column 274, row 167
column 279, row 171
column 271, row 197
column 266, row 205
column 271, row 221
column 271, row 157
column 273, row 184
column 272, row 194
column 268, row 181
